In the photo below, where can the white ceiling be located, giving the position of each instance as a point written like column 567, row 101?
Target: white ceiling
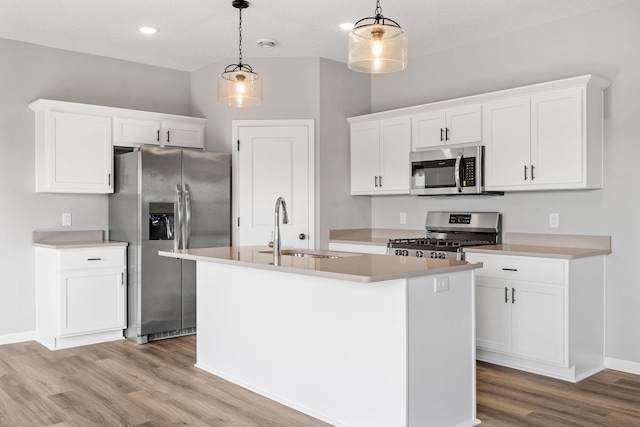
column 194, row 33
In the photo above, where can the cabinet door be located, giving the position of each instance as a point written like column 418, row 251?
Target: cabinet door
column 135, row 132
column 92, row 300
column 428, row 129
column 557, row 137
column 177, row 134
column 395, row 147
column 464, row 125
column 537, row 322
column 493, row 314
column 507, row 140
column 365, row 157
column 78, row 154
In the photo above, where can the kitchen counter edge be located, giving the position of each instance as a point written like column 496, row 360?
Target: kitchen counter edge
column 537, row 251
column 343, row 268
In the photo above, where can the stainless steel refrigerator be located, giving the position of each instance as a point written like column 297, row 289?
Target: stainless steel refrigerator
column 167, row 199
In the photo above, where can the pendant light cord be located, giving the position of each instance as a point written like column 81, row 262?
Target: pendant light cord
column 378, row 11
column 240, row 38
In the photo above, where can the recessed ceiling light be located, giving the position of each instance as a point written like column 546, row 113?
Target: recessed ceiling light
column 147, row 30
column 267, row 43
column 347, row 26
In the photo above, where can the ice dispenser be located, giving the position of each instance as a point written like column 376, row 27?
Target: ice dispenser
column 161, row 221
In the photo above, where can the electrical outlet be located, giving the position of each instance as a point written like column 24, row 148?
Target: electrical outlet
column 554, row 220
column 66, row 219
column 403, row 217
column 440, row 284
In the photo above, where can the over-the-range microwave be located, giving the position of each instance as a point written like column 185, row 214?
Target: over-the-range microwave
column 454, row 170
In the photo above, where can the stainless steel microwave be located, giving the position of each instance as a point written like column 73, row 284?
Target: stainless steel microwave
column 455, row 170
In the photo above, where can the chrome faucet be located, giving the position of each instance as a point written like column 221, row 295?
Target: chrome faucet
column 276, row 228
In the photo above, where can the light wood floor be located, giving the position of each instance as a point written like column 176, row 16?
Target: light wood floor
column 125, row 384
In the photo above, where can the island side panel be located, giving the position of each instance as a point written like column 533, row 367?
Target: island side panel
column 442, row 375
column 334, row 349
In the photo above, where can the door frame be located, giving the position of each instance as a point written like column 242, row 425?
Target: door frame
column 310, row 124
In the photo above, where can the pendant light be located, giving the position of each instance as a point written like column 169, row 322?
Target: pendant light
column 377, row 45
column 238, row 85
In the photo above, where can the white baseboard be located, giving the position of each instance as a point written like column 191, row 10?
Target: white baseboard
column 622, row 365
column 16, row 338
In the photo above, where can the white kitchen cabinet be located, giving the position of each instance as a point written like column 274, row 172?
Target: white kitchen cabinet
column 80, row 295
column 380, row 157
column 73, row 153
column 523, row 319
column 135, row 132
column 547, row 141
column 182, row 134
column 74, row 142
column 360, row 248
column 451, row 126
column 543, row 315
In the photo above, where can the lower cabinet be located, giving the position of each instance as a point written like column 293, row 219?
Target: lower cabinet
column 542, row 315
column 523, row 319
column 80, row 295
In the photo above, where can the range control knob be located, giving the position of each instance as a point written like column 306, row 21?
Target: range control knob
column 419, row 254
column 442, row 255
column 433, row 255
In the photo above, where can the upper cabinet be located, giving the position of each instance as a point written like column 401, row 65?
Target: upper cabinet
column 550, row 140
column 451, row 126
column 186, row 132
column 73, row 153
column 547, row 136
column 380, row 157
column 129, row 132
column 74, row 142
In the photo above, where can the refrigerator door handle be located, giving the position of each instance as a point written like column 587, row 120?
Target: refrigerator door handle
column 178, row 225
column 187, row 210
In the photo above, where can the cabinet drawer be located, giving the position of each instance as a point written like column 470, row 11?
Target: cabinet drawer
column 91, row 258
column 542, row 270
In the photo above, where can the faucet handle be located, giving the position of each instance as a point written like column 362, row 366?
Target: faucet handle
column 270, row 244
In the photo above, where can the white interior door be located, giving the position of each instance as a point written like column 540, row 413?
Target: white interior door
column 274, row 159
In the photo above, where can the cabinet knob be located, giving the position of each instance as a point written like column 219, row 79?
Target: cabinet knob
column 302, row 236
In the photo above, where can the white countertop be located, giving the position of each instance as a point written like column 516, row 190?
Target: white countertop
column 72, row 239
column 350, row 266
column 537, row 251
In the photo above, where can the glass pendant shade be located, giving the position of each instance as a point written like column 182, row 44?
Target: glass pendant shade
column 240, row 88
column 378, row 48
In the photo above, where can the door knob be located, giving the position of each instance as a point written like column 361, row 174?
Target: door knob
column 302, row 236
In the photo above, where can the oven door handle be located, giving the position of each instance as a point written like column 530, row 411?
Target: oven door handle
column 457, row 172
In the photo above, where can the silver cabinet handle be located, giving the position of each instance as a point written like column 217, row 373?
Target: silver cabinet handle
column 513, row 295
column 187, row 206
column 532, row 177
column 510, row 269
column 94, row 259
column 506, row 294
column 376, row 180
column 457, row 172
column 525, row 172
column 441, row 134
column 178, row 213
column 380, row 180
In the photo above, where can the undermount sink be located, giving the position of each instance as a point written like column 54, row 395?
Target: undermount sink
column 307, row 253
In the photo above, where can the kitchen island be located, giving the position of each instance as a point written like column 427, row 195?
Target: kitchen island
column 351, row 339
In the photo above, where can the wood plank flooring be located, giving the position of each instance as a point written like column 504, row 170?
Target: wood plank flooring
column 125, row 384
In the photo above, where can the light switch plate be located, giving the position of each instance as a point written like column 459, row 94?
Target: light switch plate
column 66, row 219
column 554, row 220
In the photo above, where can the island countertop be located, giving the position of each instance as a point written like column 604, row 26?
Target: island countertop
column 347, row 266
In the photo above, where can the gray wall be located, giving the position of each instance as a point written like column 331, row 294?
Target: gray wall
column 602, row 43
column 29, row 72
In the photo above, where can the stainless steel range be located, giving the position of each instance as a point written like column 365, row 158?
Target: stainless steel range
column 448, row 233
